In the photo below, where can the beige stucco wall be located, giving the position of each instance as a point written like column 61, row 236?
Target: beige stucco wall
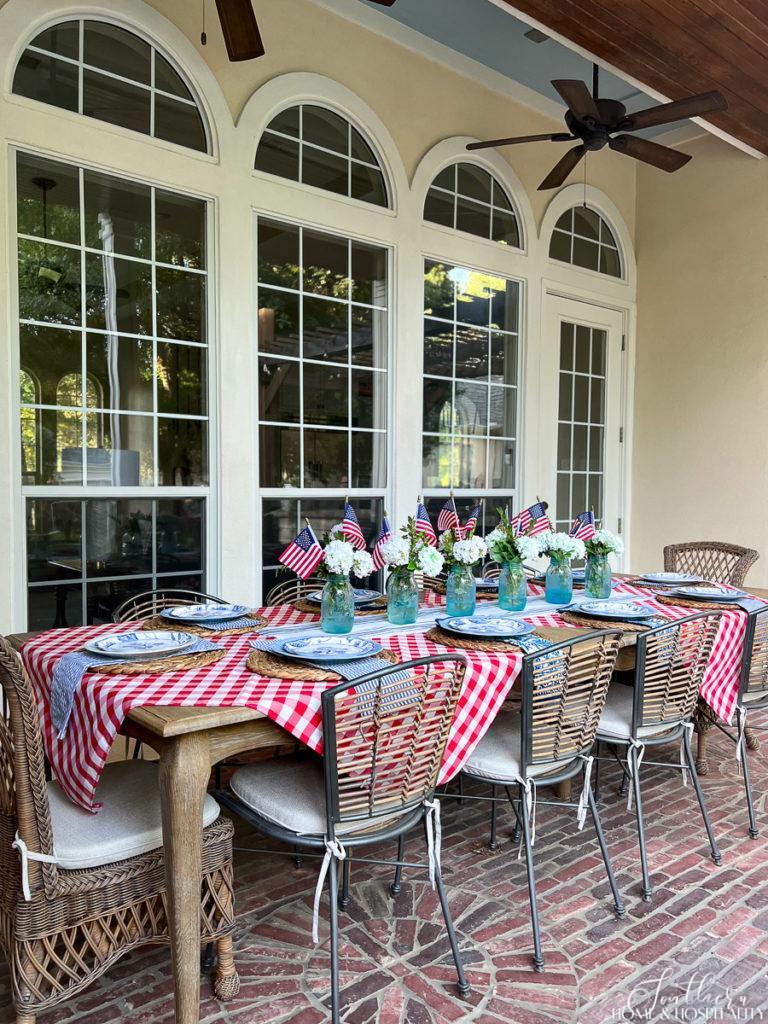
column 701, row 394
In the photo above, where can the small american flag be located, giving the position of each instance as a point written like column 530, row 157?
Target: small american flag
column 471, row 523
column 424, row 525
column 351, row 528
column 532, row 520
column 385, row 534
column 583, row 526
column 448, row 517
column 303, row 554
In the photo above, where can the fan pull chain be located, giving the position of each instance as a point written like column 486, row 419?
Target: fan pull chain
column 203, row 35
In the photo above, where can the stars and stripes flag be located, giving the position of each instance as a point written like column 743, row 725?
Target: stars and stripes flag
column 448, row 517
column 583, row 527
column 471, row 522
column 532, row 520
column 351, row 528
column 424, row 525
column 303, row 554
column 385, row 534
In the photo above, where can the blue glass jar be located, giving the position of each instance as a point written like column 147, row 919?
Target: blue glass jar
column 460, row 591
column 559, row 588
column 337, row 608
column 513, row 586
column 597, row 577
column 402, row 597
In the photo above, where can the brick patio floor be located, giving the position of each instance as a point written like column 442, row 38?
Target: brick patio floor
column 699, row 952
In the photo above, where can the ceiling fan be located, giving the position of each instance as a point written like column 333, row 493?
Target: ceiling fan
column 593, row 122
column 241, row 31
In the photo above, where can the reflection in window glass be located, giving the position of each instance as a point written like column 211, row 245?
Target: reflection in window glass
column 582, row 237
column 468, row 198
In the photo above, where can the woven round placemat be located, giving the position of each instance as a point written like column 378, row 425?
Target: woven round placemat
column 161, row 665
column 465, row 643
column 718, row 606
column 589, row 620
column 375, row 608
column 158, row 622
column 264, row 663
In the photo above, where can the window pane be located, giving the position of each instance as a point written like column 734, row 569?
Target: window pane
column 367, row 184
column 501, row 456
column 59, row 437
column 369, row 400
column 369, row 337
column 326, row 330
column 360, row 148
column 118, row 537
column 609, row 262
column 504, row 358
column 471, row 411
column 182, row 453
column 118, row 294
column 505, row 229
column 325, row 458
column 502, row 408
column 586, row 222
column 53, row 540
column 102, row 598
column 325, row 128
column 439, row 291
column 325, row 395
column 278, row 247
column 180, row 123
column 565, row 405
column 438, row 460
column 116, row 50
column 63, row 38
column 48, row 199
column 505, row 297
column 180, row 230
column 279, row 391
column 438, row 406
column 582, row 348
column 438, row 348
column 369, row 453
column 474, row 182
column 471, row 353
column 181, row 379
column 180, row 529
column 581, row 399
column 585, row 254
column 54, row 607
column 116, row 102
column 279, row 457
column 560, row 247
column 596, row 448
column 473, row 292
column 121, row 372
column 500, row 197
column 473, row 218
column 117, row 215
column 326, row 265
column 579, row 460
column 119, row 450
column 369, row 274
column 168, row 80
column 279, row 156
column 49, row 283
column 47, row 355
column 46, row 80
column 287, row 122
column 180, row 299
column 470, row 462
column 439, row 208
column 325, row 170
column 278, row 322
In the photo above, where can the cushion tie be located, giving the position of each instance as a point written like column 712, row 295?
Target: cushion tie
column 26, row 856
column 641, row 748
column 687, row 728
column 581, row 810
column 741, row 719
column 333, row 848
column 529, row 786
column 434, row 837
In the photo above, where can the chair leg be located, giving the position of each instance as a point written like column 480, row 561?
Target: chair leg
column 298, row 860
column 333, row 883
column 647, row 890
column 395, row 886
column 463, row 984
column 700, row 797
column 226, row 984
column 753, row 832
column 208, row 959
column 617, row 900
column 538, row 959
column 493, row 842
column 597, row 770
column 25, row 1018
column 461, row 788
column 517, row 831
column 344, row 897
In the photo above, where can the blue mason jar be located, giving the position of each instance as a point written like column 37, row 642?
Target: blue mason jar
column 337, row 608
column 402, row 597
column 460, row 591
column 513, row 586
column 559, row 588
column 597, row 576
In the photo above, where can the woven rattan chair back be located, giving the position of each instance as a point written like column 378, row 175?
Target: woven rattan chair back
column 564, row 689
column 754, row 675
column 293, row 590
column 142, row 606
column 669, row 667
column 712, row 560
column 384, row 740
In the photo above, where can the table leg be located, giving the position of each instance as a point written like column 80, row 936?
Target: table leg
column 184, row 772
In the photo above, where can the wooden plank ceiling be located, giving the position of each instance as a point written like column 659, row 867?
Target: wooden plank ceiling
column 678, row 48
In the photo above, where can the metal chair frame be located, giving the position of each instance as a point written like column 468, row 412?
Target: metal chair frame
column 150, row 602
column 292, row 590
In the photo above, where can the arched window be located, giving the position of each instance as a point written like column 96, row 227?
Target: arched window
column 104, row 71
column 581, row 237
column 316, row 146
column 468, row 198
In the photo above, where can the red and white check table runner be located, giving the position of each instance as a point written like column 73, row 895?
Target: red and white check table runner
column 103, row 701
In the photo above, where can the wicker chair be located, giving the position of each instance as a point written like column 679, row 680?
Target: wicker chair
column 150, row 602
column 712, row 560
column 563, row 691
column 658, row 709
column 291, row 591
column 384, row 737
column 79, row 891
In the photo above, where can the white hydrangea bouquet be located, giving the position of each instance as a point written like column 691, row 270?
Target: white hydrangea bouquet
column 560, row 546
column 411, row 552
column 604, row 543
column 505, row 546
column 341, row 559
column 468, row 551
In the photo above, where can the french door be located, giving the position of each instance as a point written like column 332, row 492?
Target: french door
column 581, row 411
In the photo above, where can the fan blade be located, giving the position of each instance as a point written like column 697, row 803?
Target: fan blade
column 562, row 168
column 578, row 98
column 677, row 110
column 663, row 157
column 241, row 33
column 384, row 3
column 556, row 137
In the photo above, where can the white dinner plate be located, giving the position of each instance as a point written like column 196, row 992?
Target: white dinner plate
column 613, row 609
column 210, row 612
column 328, row 648
column 140, row 644
column 485, row 625
column 710, row 592
column 487, row 584
column 671, row 577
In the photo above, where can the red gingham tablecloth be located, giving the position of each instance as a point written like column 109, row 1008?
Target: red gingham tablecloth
column 103, row 701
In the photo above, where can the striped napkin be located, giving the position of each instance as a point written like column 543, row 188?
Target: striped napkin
column 214, row 625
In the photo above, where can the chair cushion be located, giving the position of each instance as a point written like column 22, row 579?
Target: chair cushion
column 754, row 697
column 127, row 825
column 497, row 756
column 616, row 719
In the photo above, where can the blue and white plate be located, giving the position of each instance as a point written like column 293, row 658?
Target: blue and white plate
column 671, row 578
column 487, row 584
column 140, row 644
column 328, row 648
column 209, row 612
column 579, row 575
column 361, row 596
column 710, row 592
column 486, row 625
column 613, row 609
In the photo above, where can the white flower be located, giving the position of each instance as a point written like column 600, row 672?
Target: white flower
column 430, row 560
column 339, row 556
column 469, row 551
column 528, row 547
column 362, row 564
column 608, row 541
column 495, row 536
column 561, row 545
column 443, row 539
column 396, row 551
column 336, row 532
